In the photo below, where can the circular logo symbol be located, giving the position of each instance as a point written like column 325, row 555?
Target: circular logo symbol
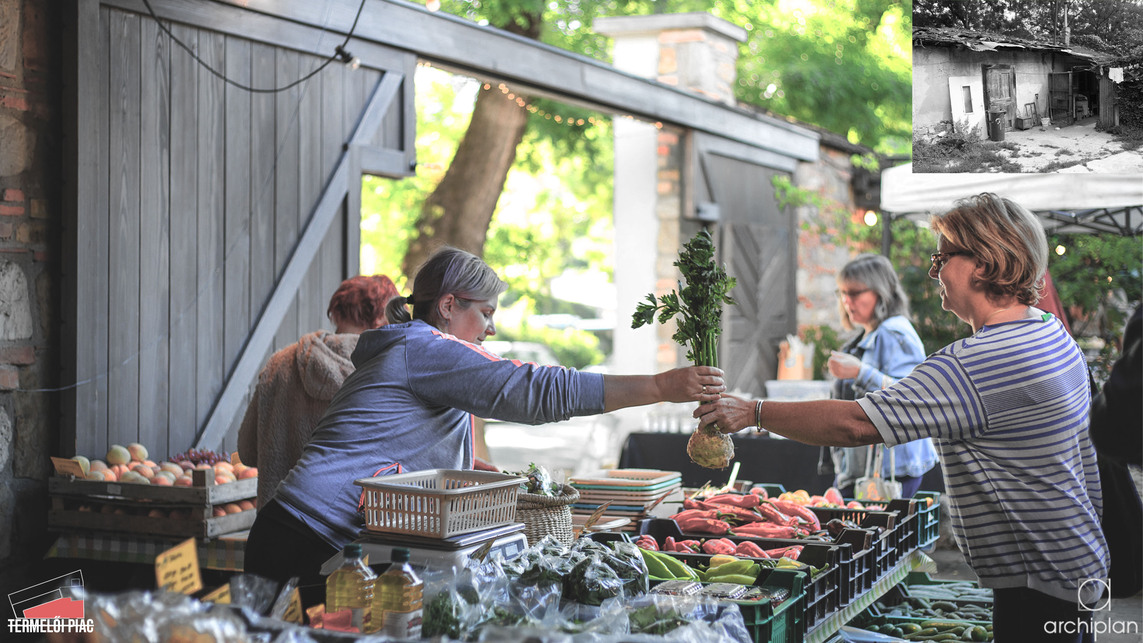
column 1094, row 595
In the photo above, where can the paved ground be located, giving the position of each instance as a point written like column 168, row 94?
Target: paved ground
column 1078, row 146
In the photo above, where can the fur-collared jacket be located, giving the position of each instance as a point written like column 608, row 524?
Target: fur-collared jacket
column 294, row 389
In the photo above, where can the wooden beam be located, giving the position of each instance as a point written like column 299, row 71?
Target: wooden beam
column 492, row 54
column 230, row 401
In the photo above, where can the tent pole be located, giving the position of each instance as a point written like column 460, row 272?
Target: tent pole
column 886, row 233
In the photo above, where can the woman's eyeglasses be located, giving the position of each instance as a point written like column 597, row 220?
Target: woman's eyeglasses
column 941, row 258
column 851, row 294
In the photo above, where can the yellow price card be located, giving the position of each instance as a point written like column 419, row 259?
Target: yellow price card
column 177, row 570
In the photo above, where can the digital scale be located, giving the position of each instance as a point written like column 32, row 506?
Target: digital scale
column 436, row 553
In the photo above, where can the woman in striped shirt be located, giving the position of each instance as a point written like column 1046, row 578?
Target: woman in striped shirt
column 1008, row 410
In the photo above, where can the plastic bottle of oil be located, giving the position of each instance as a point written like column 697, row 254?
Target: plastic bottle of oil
column 352, row 586
column 397, row 599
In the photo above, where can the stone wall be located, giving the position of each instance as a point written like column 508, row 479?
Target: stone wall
column 30, row 189
column 820, row 258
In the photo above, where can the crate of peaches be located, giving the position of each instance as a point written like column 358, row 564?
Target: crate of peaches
column 198, row 493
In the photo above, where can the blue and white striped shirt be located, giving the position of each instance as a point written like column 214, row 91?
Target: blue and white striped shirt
column 1009, row 410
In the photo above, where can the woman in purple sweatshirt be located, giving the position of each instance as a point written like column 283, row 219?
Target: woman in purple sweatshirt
column 410, row 404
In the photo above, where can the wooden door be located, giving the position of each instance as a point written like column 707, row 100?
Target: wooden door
column 1060, row 97
column 1000, row 91
column 757, row 242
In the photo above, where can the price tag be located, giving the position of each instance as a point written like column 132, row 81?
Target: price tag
column 482, row 552
column 177, row 570
column 596, row 515
column 294, row 610
column 67, row 467
column 220, row 595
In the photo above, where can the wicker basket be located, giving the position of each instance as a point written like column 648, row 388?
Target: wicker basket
column 543, row 515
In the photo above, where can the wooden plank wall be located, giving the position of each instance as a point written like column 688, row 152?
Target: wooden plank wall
column 202, row 191
column 758, row 245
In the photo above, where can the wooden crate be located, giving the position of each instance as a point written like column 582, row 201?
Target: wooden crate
column 79, row 505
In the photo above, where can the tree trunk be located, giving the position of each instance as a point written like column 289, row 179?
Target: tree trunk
column 460, row 209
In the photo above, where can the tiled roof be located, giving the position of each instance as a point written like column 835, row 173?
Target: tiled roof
column 991, row 41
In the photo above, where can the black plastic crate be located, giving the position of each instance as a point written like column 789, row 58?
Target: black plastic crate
column 928, row 517
column 825, row 593
column 859, row 568
column 882, row 522
column 851, row 552
column 821, row 592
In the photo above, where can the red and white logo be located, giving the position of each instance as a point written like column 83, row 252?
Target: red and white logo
column 50, row 599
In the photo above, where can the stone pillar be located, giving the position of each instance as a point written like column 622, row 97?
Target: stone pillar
column 30, row 182
column 696, row 52
column 693, row 51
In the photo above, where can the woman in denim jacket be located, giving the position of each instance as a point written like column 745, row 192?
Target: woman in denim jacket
column 887, row 348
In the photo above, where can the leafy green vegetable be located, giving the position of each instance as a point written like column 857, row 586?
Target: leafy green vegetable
column 442, row 616
column 539, row 481
column 698, row 304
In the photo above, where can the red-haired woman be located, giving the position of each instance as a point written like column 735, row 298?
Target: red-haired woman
column 297, row 383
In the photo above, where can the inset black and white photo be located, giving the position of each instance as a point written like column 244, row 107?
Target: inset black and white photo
column 1016, row 86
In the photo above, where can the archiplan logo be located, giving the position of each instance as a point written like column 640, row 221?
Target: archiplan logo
column 50, row 606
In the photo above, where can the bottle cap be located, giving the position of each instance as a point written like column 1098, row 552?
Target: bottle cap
column 400, row 555
column 352, row 550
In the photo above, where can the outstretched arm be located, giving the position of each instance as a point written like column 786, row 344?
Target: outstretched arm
column 688, row 384
column 838, row 423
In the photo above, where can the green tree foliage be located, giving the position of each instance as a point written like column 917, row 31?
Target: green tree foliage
column 844, row 65
column 1113, row 26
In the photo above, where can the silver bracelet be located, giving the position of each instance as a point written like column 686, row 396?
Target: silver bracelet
column 758, row 414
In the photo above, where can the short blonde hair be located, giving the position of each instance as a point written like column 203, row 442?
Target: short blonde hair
column 1005, row 238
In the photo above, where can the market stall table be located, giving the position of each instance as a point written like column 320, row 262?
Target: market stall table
column 763, row 459
column 225, row 553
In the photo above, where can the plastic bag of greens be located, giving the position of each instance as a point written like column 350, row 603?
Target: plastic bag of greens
column 686, row 619
column 629, row 565
column 591, row 581
column 444, row 607
column 538, row 481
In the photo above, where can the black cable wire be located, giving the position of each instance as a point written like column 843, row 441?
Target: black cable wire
column 339, row 54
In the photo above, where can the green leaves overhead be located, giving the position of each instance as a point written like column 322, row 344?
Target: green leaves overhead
column 844, row 65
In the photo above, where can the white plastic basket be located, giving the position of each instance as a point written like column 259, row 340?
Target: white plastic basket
column 439, row 503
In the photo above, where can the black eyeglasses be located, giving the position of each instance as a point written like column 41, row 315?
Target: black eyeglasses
column 851, row 294
column 940, row 258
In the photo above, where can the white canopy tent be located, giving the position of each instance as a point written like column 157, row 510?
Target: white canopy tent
column 1111, row 203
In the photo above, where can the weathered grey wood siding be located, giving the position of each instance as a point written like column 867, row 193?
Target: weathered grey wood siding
column 757, row 242
column 192, row 198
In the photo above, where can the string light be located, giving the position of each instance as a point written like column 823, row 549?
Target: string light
column 570, row 121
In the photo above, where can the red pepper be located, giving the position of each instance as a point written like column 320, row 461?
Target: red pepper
column 794, row 509
column 726, row 511
column 688, row 546
column 770, row 513
column 647, row 542
column 765, row 530
column 703, row 526
column 669, row 544
column 750, row 550
column 719, row 546
column 697, row 513
column 745, row 501
column 760, row 492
